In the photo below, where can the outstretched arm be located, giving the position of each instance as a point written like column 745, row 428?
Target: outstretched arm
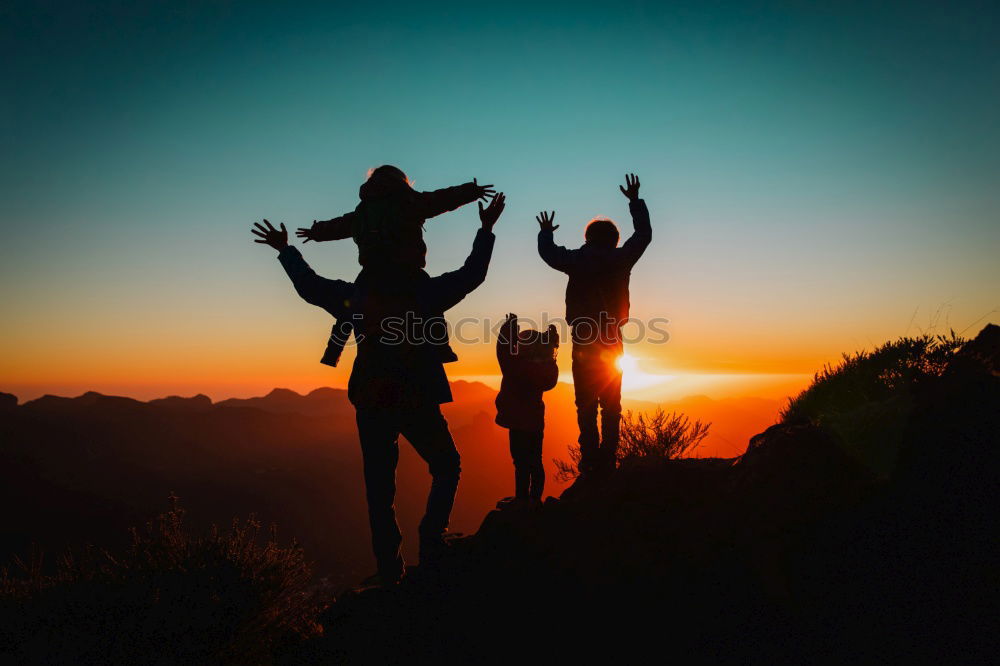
column 637, row 243
column 447, row 289
column 324, row 230
column 319, row 291
column 554, row 255
column 507, row 342
column 441, row 201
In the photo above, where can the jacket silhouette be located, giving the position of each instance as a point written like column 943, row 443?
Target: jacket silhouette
column 599, row 276
column 398, row 383
column 388, row 365
column 527, row 373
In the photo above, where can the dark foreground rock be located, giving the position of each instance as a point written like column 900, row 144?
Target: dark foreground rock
column 792, row 552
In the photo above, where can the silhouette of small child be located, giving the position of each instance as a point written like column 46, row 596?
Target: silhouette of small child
column 528, row 364
column 388, row 223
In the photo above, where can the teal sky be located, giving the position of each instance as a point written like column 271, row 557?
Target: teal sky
column 816, row 174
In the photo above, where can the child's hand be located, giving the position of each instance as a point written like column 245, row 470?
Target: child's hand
column 489, row 215
column 484, row 192
column 507, row 334
column 552, row 337
column 510, row 328
column 631, row 188
column 271, row 236
column 545, row 221
column 305, row 233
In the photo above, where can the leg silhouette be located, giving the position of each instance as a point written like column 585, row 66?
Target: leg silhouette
column 529, row 474
column 427, row 430
column 379, row 434
column 610, row 398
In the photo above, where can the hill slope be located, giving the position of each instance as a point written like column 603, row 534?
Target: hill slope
column 795, row 551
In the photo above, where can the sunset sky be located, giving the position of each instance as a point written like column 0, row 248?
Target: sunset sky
column 820, row 179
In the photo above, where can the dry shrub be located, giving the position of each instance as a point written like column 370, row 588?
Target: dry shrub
column 654, row 436
column 173, row 595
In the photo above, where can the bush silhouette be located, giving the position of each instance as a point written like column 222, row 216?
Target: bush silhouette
column 653, row 436
column 225, row 596
column 866, row 399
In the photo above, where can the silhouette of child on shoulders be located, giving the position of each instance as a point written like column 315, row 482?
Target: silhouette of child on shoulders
column 528, row 364
column 388, row 223
column 388, row 228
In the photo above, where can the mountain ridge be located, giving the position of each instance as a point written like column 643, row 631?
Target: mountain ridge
column 94, row 465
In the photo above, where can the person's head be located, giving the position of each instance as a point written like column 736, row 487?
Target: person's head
column 383, row 180
column 601, row 232
column 388, row 173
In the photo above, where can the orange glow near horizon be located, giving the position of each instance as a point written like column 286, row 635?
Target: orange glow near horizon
column 634, row 378
column 214, row 336
column 233, row 364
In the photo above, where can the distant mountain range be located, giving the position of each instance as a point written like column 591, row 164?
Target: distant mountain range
column 85, row 469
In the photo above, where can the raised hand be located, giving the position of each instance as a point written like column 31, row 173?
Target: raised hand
column 545, row 221
column 509, row 332
column 489, row 215
column 484, row 192
column 278, row 239
column 305, row 233
column 631, row 188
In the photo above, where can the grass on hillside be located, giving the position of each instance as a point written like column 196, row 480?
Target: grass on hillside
column 867, row 398
column 226, row 596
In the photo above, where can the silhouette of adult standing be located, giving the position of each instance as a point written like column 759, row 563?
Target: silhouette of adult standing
column 398, row 381
column 597, row 306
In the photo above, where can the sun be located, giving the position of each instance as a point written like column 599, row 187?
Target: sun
column 634, row 378
column 628, row 364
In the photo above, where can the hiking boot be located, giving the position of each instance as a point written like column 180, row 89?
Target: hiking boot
column 505, row 503
column 517, row 503
column 584, row 482
column 605, row 470
column 382, row 580
column 433, row 549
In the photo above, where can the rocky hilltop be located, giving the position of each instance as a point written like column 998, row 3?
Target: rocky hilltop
column 799, row 549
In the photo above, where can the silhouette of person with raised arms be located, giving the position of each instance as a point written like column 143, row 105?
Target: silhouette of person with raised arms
column 398, row 381
column 528, row 365
column 597, row 306
column 387, row 226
